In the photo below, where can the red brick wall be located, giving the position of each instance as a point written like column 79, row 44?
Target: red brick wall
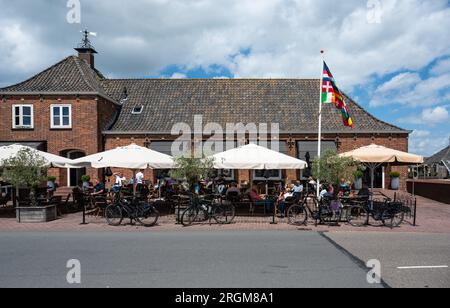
column 346, row 143
column 397, row 142
column 88, row 120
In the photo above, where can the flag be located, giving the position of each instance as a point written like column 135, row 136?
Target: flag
column 332, row 95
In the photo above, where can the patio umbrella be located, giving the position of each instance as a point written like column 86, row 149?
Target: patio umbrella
column 374, row 156
column 255, row 157
column 52, row 160
column 130, row 157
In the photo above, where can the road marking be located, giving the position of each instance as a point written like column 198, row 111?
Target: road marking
column 423, row 267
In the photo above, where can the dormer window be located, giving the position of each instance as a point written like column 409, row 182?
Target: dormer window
column 22, row 117
column 138, row 109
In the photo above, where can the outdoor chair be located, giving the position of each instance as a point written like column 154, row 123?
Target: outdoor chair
column 78, row 199
column 99, row 206
column 5, row 199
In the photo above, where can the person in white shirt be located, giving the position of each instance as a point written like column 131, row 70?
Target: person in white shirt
column 140, row 178
column 120, row 179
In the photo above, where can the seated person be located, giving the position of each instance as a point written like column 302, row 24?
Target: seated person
column 258, row 199
column 99, row 188
column 233, row 191
column 344, row 188
column 327, row 192
column 298, row 190
column 284, row 196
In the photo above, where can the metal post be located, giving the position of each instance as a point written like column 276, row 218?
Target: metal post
column 274, row 211
column 84, row 215
column 415, row 212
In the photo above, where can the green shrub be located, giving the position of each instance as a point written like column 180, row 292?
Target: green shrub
column 85, row 178
column 51, row 178
column 359, row 174
column 394, row 174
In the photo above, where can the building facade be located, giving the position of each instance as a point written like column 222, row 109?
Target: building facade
column 72, row 110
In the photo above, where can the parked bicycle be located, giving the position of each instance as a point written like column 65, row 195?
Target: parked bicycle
column 390, row 214
column 140, row 211
column 326, row 211
column 207, row 209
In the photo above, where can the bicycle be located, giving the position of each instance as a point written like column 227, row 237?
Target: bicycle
column 142, row 212
column 202, row 210
column 390, row 214
column 326, row 211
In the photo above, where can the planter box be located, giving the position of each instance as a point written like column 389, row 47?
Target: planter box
column 36, row 214
column 395, row 183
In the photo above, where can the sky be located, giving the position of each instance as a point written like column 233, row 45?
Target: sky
column 391, row 56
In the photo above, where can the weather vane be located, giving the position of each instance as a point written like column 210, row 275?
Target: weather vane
column 86, row 43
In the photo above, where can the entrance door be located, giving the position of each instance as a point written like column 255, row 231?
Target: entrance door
column 379, row 176
column 74, row 175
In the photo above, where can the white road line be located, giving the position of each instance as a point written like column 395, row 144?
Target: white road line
column 423, row 267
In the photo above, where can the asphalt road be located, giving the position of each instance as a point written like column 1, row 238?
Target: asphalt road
column 178, row 260
column 411, row 260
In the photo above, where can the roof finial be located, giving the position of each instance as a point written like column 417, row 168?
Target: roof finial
column 86, row 43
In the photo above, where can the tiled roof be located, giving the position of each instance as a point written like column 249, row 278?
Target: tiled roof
column 437, row 158
column 70, row 75
column 293, row 103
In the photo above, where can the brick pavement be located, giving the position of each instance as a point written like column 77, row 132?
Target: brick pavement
column 433, row 217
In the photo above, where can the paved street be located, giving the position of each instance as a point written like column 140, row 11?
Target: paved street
column 181, row 260
column 420, row 256
column 238, row 259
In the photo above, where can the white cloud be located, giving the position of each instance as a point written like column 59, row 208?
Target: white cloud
column 411, row 89
column 178, row 76
column 429, row 117
column 442, row 67
column 426, row 144
column 142, row 37
column 436, row 115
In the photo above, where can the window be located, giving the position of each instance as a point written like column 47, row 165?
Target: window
column 22, row 116
column 61, row 116
column 274, row 175
column 138, row 109
column 311, row 147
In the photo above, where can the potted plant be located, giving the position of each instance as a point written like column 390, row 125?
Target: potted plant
column 192, row 171
column 51, row 185
column 331, row 168
column 395, row 180
column 359, row 174
column 27, row 170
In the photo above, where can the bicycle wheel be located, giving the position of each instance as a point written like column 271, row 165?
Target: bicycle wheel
column 189, row 216
column 297, row 215
column 358, row 216
column 392, row 219
column 114, row 215
column 147, row 215
column 224, row 214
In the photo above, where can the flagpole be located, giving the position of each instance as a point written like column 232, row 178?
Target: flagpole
column 319, row 140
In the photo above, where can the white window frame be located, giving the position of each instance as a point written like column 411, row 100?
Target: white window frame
column 61, row 126
column 279, row 178
column 21, row 126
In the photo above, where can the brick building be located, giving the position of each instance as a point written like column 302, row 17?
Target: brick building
column 72, row 110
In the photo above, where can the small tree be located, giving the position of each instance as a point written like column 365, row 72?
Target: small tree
column 331, row 168
column 26, row 169
column 192, row 170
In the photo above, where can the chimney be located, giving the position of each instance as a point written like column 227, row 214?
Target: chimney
column 86, row 51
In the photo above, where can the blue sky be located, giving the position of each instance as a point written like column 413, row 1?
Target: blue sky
column 392, row 56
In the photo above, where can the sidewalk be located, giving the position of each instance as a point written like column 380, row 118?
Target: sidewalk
column 433, row 217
